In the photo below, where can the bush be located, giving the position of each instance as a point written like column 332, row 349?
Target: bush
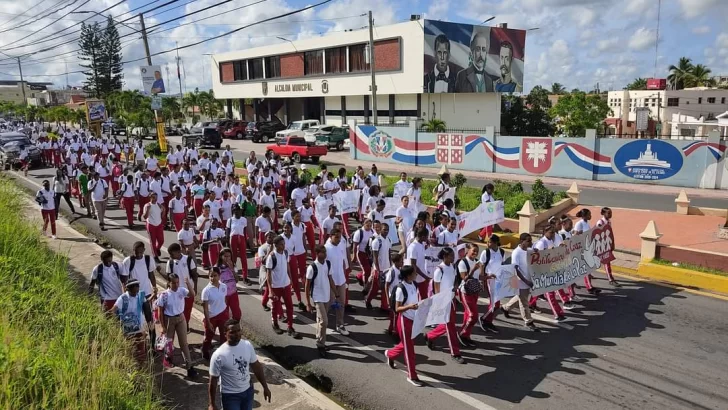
column 459, row 180
column 59, row 350
column 514, row 204
column 152, row 149
column 541, row 197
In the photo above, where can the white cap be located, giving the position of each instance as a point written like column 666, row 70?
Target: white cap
column 303, row 167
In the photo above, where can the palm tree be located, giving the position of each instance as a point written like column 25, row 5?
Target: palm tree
column 171, row 109
column 678, row 74
column 699, row 76
column 558, row 88
column 209, row 105
column 638, row 84
column 192, row 101
column 435, row 125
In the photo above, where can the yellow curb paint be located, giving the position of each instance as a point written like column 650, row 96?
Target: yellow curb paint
column 677, row 279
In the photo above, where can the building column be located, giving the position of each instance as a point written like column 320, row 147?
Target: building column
column 287, row 110
column 229, row 113
column 419, row 106
column 343, row 110
column 241, row 105
column 322, row 110
column 366, row 109
column 270, row 114
column 391, row 108
column 256, row 109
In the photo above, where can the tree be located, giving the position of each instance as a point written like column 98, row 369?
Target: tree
column 539, row 97
column 678, row 74
column 171, row 109
column 576, row 112
column 699, row 76
column 112, row 78
column 558, row 88
column 209, row 105
column 638, row 84
column 192, row 101
column 435, row 125
column 90, row 44
column 518, row 119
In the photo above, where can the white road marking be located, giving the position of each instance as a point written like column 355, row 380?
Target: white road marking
column 552, row 321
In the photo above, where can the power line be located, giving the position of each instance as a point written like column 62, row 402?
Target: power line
column 56, row 20
column 41, row 15
column 23, row 13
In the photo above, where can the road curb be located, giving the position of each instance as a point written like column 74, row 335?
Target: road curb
column 683, row 277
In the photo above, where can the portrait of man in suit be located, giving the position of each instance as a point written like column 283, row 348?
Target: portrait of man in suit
column 506, row 83
column 441, row 79
column 474, row 79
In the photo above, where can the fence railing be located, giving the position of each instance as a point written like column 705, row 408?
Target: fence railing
column 676, row 137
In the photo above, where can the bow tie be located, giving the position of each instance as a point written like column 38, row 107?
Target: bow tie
column 441, row 77
column 481, row 72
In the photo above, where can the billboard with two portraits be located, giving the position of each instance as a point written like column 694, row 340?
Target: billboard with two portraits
column 466, row 58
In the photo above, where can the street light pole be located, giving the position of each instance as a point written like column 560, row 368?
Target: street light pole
column 144, row 38
column 22, row 83
column 372, row 67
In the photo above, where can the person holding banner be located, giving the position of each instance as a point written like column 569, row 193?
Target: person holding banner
column 567, row 227
column 444, row 281
column 443, row 190
column 402, row 185
column 381, row 258
column 492, row 259
column 487, row 196
column 582, row 226
column 469, row 271
column 547, row 242
column 416, row 259
column 405, row 298
column 390, row 283
column 377, row 213
column 360, row 241
column 519, row 258
column 604, row 221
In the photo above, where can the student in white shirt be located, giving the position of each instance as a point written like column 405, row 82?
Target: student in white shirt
column 443, row 190
column 581, row 226
column 45, row 197
column 139, row 154
column 127, row 197
column 381, row 247
column 99, row 193
column 391, row 279
column 155, row 228
column 374, row 176
column 605, row 220
column 298, row 231
column 178, row 209
column 468, row 268
column 230, row 365
column 328, row 224
column 405, row 297
column 544, row 243
column 444, row 282
column 358, row 251
column 309, row 219
column 416, row 259
column 214, row 205
column 491, row 260
column 299, row 194
column 377, row 213
column 170, row 308
column 132, row 309
column 151, row 165
column 212, row 241
column 402, row 185
column 404, row 219
column 263, row 224
column 187, row 239
column 336, row 254
column 236, row 229
column 319, row 288
column 519, row 258
column 279, row 285
column 449, row 237
column 111, row 277
column 215, row 310
column 487, row 196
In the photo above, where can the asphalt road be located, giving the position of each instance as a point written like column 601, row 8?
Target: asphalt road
column 589, row 196
column 643, row 346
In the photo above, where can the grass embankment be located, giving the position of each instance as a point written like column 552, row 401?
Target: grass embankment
column 690, row 266
column 58, row 351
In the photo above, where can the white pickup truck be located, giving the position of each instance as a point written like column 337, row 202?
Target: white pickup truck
column 298, row 129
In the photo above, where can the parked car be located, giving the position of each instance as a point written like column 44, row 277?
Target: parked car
column 172, row 131
column 236, row 130
column 113, row 129
column 197, row 128
column 10, row 146
column 297, row 149
column 143, row 132
column 311, row 134
column 298, row 129
column 263, row 130
column 334, row 138
column 223, row 125
column 209, row 137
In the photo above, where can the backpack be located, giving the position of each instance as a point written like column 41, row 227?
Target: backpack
column 368, row 248
column 275, row 260
column 383, row 277
column 458, row 278
column 40, row 198
column 487, row 255
column 131, row 322
column 393, row 295
column 100, row 273
column 170, row 266
column 315, row 272
column 132, row 262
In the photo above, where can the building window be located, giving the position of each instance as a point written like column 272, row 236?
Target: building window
column 336, row 60
column 240, row 71
column 358, row 58
column 711, row 100
column 273, row 67
column 673, row 102
column 700, row 100
column 313, row 62
column 722, row 100
column 255, row 68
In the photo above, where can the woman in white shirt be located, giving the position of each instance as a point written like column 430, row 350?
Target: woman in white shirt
column 487, row 196
column 177, row 209
column 187, row 239
column 582, row 226
column 604, row 221
column 404, row 219
column 155, row 228
column 62, row 188
column 236, row 230
column 415, row 194
column 268, row 199
column 469, row 269
column 215, row 310
column 405, row 298
column 226, row 208
column 444, row 282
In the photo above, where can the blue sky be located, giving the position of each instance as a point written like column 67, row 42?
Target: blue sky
column 579, row 43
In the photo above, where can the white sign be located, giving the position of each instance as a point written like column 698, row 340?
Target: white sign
column 156, row 102
column 486, row 214
column 390, row 206
column 347, row 201
column 364, row 199
column 322, row 209
column 152, row 79
column 392, row 235
column 400, row 190
column 434, row 310
column 504, row 285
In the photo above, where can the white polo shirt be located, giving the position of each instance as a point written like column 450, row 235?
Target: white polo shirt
column 445, row 276
column 140, row 272
column 321, row 289
column 186, row 237
column 298, row 232
column 98, row 189
column 177, row 205
column 110, row 285
column 412, row 296
column 237, row 226
column 173, row 302
column 279, row 274
column 49, row 196
column 416, row 251
column 383, row 246
column 337, row 256
column 215, row 298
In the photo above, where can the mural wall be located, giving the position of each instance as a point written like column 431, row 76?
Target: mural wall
column 678, row 163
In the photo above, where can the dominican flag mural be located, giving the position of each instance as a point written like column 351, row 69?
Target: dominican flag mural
column 716, row 149
column 507, row 157
column 585, row 158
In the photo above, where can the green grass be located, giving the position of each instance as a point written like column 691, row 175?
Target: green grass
column 690, row 266
column 58, row 350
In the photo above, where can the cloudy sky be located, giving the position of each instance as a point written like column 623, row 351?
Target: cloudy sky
column 579, row 43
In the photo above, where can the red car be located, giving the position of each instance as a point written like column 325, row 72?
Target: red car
column 297, row 149
column 236, row 130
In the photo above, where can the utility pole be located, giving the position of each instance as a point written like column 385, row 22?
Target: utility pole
column 144, row 38
column 371, row 67
column 22, row 83
column 179, row 75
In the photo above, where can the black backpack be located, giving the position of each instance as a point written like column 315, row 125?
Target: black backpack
column 314, row 267
column 368, row 248
column 285, row 252
column 458, row 278
column 487, row 255
column 100, row 273
column 170, row 266
column 132, row 262
column 393, row 296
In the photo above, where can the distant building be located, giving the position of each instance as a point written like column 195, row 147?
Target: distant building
column 12, row 91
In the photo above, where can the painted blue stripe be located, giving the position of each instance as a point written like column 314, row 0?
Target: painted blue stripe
column 596, row 169
column 410, row 159
column 514, row 150
column 455, row 32
column 716, row 153
column 473, row 144
column 367, row 130
column 691, row 144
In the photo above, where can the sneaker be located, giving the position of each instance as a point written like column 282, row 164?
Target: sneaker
column 576, row 298
column 293, row 333
column 360, row 280
column 415, row 382
column 266, row 308
column 506, row 313
column 322, row 352
column 481, row 322
column 491, row 328
column 369, row 305
column 247, row 282
column 53, row 236
column 191, row 373
column 468, row 341
column 430, row 343
column 458, row 359
column 277, row 329
column 461, row 339
column 569, row 306
column 560, row 318
column 615, row 283
column 531, row 326
column 390, row 362
column 342, row 331
column 302, row 306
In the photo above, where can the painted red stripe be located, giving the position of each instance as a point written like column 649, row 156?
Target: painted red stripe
column 411, row 145
column 508, row 163
column 588, row 153
column 358, row 143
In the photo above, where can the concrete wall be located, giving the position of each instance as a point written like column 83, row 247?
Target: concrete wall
column 465, row 110
column 676, row 163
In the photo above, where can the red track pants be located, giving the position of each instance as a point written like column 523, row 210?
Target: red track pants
column 156, row 239
column 448, row 329
column 406, row 345
column 238, row 246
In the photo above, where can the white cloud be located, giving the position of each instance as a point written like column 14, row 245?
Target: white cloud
column 701, row 30
column 639, row 7
column 695, row 8
column 642, row 39
column 609, row 44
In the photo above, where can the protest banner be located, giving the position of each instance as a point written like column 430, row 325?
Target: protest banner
column 434, row 310
column 432, row 260
column 392, row 235
column 603, row 238
column 346, row 201
column 390, row 206
column 486, row 214
column 556, row 268
column 322, row 209
column 505, row 285
column 364, row 199
column 400, row 190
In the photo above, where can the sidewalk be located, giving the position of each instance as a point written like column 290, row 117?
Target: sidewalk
column 287, row 390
